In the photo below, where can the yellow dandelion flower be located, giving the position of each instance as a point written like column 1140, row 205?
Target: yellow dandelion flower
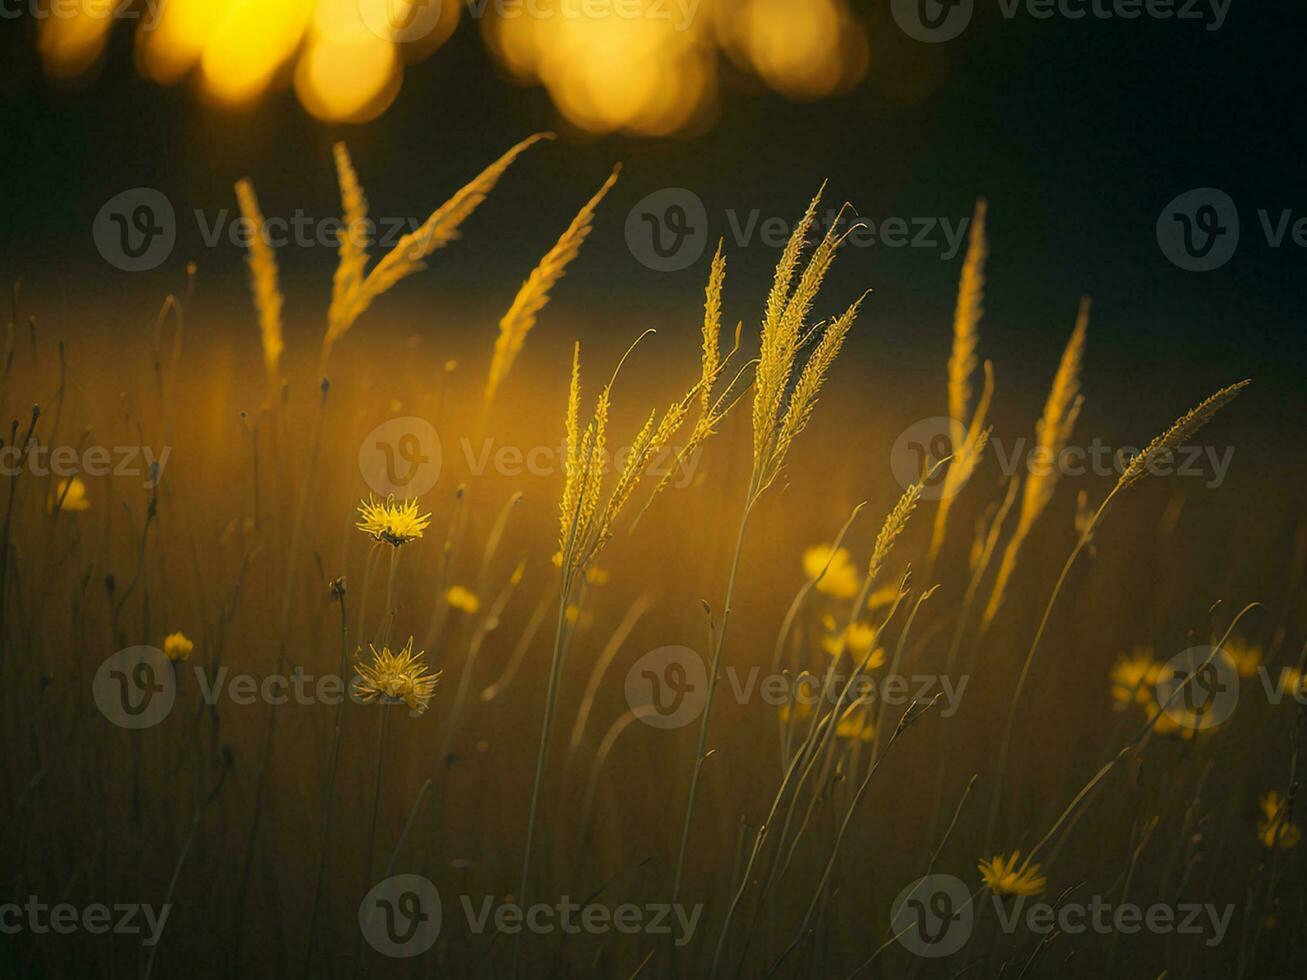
column 464, row 599
column 841, row 578
column 1275, row 826
column 396, row 678
column 1184, row 727
column 394, row 523
column 883, row 596
column 596, row 575
column 857, row 725
column 857, row 640
column 1245, row 656
column 72, row 493
column 1134, row 676
column 798, row 710
column 1004, row 877
column 177, row 646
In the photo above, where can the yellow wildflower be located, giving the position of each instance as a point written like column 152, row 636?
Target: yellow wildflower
column 1245, row 656
column 396, row 524
column 464, row 599
column 856, row 639
column 72, row 493
column 396, row 678
column 1275, row 827
column 1003, row 876
column 1133, row 677
column 841, row 578
column 857, row 724
column 177, row 647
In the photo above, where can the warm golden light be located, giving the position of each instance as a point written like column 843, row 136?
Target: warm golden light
column 348, row 79
column 249, row 44
column 72, row 42
column 642, row 68
column 648, row 67
column 172, row 48
column 805, row 50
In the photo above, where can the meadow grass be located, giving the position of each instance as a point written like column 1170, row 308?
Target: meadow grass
column 793, row 825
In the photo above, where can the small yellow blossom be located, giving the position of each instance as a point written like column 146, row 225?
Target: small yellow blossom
column 72, row 492
column 841, row 578
column 1275, row 828
column 596, row 575
column 1133, row 677
column 464, row 599
column 883, row 596
column 394, row 523
column 1178, row 723
column 1245, row 657
column 1003, row 876
column 857, row 724
column 177, row 647
column 1291, row 681
column 857, row 640
column 396, row 678
column 798, row 710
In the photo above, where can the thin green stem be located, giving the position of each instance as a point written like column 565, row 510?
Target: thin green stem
column 555, row 668
column 713, row 669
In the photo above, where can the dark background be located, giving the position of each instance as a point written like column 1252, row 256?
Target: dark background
column 1077, row 131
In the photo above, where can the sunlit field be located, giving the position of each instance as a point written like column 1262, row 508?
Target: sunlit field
column 396, row 644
